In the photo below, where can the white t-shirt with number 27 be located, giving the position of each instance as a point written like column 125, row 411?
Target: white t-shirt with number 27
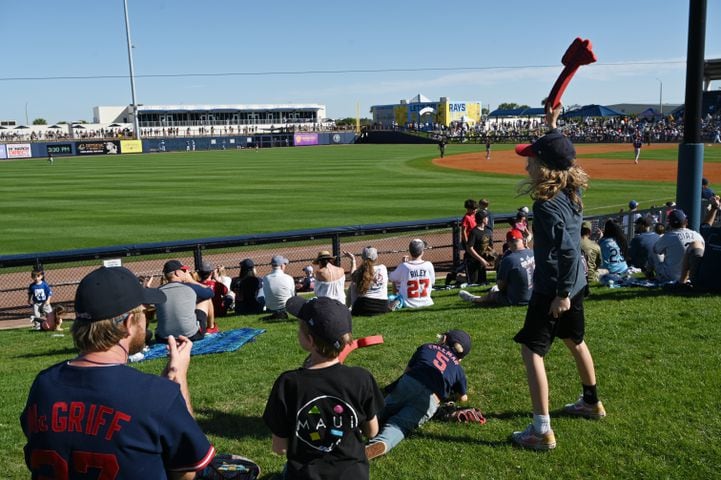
column 414, row 281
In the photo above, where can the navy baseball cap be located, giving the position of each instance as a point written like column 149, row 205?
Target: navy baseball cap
column 173, row 265
column 247, row 264
column 326, row 317
column 676, row 218
column 461, row 338
column 111, row 291
column 553, row 149
column 632, row 204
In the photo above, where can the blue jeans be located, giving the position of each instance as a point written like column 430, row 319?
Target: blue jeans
column 409, row 405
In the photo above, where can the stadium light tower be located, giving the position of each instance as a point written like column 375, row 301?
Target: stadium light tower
column 660, row 96
column 136, row 123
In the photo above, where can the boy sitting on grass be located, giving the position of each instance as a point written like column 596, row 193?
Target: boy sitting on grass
column 433, row 374
column 319, row 413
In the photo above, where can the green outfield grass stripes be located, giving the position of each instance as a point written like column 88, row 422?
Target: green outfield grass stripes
column 99, row 201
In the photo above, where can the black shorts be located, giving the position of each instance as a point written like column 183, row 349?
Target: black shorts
column 540, row 328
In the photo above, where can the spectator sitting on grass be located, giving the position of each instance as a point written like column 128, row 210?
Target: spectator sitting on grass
column 672, row 246
column 413, row 279
column 278, row 287
column 614, row 249
column 185, row 312
column 248, row 288
column 514, row 280
column 369, row 285
column 329, row 278
column 640, row 254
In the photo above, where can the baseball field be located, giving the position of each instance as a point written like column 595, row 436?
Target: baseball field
column 100, row 201
column 656, row 354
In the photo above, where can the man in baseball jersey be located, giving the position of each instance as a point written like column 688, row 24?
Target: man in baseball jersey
column 414, row 278
column 672, row 246
column 96, row 417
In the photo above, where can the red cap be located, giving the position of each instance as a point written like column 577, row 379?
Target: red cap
column 525, row 150
column 514, row 234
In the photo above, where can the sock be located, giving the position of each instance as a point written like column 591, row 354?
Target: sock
column 589, row 394
column 541, row 423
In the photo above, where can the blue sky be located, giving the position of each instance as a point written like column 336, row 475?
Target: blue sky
column 493, row 52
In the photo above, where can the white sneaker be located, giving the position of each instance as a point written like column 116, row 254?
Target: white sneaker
column 467, row 296
column 37, row 325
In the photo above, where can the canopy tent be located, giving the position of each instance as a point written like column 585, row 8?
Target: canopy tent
column 55, row 126
column 517, row 112
column 592, row 111
column 419, row 99
column 650, row 114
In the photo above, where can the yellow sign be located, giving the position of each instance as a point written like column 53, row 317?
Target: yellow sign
column 131, row 146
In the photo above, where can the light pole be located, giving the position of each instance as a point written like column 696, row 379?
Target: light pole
column 660, row 96
column 27, row 122
column 136, row 123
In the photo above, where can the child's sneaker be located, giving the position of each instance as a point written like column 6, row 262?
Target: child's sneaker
column 375, row 449
column 583, row 409
column 37, row 325
column 467, row 296
column 213, row 329
column 535, row 441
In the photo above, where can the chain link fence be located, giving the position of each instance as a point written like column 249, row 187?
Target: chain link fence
column 64, row 270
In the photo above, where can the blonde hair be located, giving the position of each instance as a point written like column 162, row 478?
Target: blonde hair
column 544, row 183
column 101, row 335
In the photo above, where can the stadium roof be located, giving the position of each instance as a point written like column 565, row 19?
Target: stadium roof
column 636, row 108
column 225, row 108
column 420, row 99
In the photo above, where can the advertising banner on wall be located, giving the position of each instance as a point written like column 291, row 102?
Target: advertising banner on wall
column 98, row 148
column 60, row 149
column 301, row 139
column 18, row 150
column 131, row 146
column 3, row 152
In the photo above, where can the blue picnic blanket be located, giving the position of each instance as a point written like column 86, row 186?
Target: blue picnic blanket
column 228, row 341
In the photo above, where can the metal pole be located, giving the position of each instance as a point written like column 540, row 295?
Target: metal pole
column 27, row 122
column 690, row 152
column 136, row 123
column 660, row 96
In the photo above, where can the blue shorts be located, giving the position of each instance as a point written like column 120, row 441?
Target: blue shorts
column 540, row 328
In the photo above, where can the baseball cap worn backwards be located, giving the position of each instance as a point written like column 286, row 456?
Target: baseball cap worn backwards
column 173, row 265
column 459, row 337
column 326, row 317
column 553, row 150
column 111, row 291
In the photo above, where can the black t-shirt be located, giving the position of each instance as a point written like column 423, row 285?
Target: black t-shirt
column 482, row 242
column 246, row 291
column 320, row 413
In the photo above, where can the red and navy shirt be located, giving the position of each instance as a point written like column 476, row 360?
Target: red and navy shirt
column 109, row 422
column 438, row 368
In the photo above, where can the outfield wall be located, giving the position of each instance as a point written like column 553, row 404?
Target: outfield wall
column 19, row 150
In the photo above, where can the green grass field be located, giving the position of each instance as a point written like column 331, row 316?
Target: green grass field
column 657, row 361
column 657, row 358
column 101, row 201
column 712, row 154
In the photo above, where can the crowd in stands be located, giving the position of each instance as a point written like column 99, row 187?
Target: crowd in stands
column 82, row 132
column 620, row 129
